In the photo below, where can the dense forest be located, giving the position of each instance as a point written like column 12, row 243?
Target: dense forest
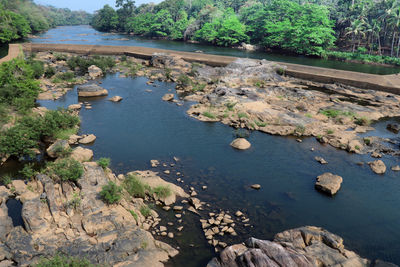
column 18, row 18
column 365, row 29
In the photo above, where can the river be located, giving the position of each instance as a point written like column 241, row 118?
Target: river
column 87, row 35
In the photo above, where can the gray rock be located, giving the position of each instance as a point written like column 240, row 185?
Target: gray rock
column 328, row 183
column 6, row 223
column 57, row 148
column 90, row 90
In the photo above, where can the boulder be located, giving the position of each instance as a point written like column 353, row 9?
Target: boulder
column 328, row 183
column 33, row 216
column 82, row 154
column 115, row 98
column 6, row 223
column 241, row 143
column 393, row 127
column 306, row 246
column 377, row 166
column 75, row 107
column 91, row 90
column 95, row 72
column 73, row 139
column 354, row 146
column 321, row 160
column 396, row 168
column 57, row 148
column 87, row 139
column 168, row 97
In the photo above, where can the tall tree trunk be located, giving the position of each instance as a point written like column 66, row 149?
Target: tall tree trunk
column 391, row 50
column 379, row 45
column 398, row 46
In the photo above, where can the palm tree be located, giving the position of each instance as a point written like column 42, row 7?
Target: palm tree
column 357, row 29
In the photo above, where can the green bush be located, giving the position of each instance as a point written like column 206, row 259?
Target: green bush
column 60, row 57
column 162, row 191
column 135, row 187
column 66, row 169
column 28, row 171
column 104, row 162
column 361, row 56
column 63, row 261
column 111, row 193
column 184, row 80
column 18, row 85
column 145, row 211
column 37, row 67
column 104, row 63
column 209, row 115
column 6, row 179
column 333, row 113
column 49, row 72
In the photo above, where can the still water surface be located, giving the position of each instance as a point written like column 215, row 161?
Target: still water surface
column 143, row 127
column 88, row 35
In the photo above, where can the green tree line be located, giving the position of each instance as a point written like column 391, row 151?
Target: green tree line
column 18, row 18
column 311, row 27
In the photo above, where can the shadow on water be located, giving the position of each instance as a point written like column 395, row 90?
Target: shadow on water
column 143, row 127
column 15, row 211
column 3, row 50
column 89, row 36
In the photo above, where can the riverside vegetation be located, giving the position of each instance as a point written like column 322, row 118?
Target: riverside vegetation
column 361, row 30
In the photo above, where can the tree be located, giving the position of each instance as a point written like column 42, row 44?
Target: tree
column 106, row 19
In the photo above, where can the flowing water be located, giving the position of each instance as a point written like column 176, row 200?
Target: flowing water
column 143, row 127
column 87, row 35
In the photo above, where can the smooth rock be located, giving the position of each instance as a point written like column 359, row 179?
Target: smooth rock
column 241, row 143
column 377, row 166
column 95, row 72
column 115, row 98
column 75, row 107
column 82, row 154
column 91, row 90
column 321, row 160
column 396, row 168
column 256, row 186
column 168, row 97
column 88, row 139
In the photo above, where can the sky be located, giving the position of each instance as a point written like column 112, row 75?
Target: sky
column 86, row 5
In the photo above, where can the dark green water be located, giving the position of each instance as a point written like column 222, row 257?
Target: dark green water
column 143, row 127
column 87, row 35
column 3, row 50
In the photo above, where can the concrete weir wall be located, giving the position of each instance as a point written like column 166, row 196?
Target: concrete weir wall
column 386, row 83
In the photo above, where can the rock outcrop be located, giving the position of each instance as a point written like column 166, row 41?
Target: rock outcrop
column 57, row 148
column 307, row 246
column 95, row 72
column 241, row 143
column 91, row 90
column 377, row 166
column 72, row 219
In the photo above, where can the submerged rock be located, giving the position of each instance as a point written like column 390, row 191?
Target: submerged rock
column 241, row 143
column 377, row 166
column 115, row 98
column 395, row 128
column 168, row 97
column 307, row 246
column 329, row 183
column 90, row 90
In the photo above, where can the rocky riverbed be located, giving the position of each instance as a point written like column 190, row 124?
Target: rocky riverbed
column 248, row 94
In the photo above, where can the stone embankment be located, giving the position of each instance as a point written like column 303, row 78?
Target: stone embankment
column 386, row 83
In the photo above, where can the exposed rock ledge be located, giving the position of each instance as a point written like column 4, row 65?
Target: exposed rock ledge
column 103, row 234
column 305, row 246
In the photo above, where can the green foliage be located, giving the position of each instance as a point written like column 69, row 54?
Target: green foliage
column 242, row 115
column 64, row 77
column 106, row 19
column 4, row 114
column 6, row 179
column 28, row 171
column 64, row 134
column 104, row 162
column 18, row 85
column 300, row 129
column 49, row 72
column 65, row 169
column 134, row 68
column 230, row 105
column 81, row 63
column 184, row 80
column 60, row 57
column 241, row 133
column 330, row 131
column 111, row 193
column 135, row 187
column 134, row 215
column 260, row 123
column 145, row 211
column 333, row 113
column 303, row 29
column 13, row 26
column 162, row 191
column 210, row 115
column 363, row 121
column 76, row 200
column 63, row 261
column 37, row 67
column 367, row 141
column 198, row 87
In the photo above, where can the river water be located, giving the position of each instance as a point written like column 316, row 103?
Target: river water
column 143, row 127
column 87, row 35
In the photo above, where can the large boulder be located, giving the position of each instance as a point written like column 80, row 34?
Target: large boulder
column 328, row 183
column 87, row 139
column 377, row 166
column 241, row 143
column 168, row 97
column 307, row 246
column 95, row 72
column 82, row 154
column 6, row 223
column 91, row 90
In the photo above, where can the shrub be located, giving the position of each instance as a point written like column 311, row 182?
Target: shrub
column 49, row 72
column 162, row 191
column 27, row 171
column 184, row 80
column 63, row 261
column 134, row 215
column 134, row 68
column 260, row 123
column 64, row 77
column 104, row 162
column 209, row 115
column 333, row 113
column 6, row 179
column 18, row 85
column 66, row 169
column 242, row 115
column 362, row 121
column 4, row 111
column 37, row 67
column 124, row 58
column 241, row 133
column 104, row 63
column 111, row 193
column 168, row 73
column 367, row 141
column 145, row 211
column 60, row 57
column 135, row 187
column 75, row 202
column 300, row 129
column 329, row 131
column 230, row 105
